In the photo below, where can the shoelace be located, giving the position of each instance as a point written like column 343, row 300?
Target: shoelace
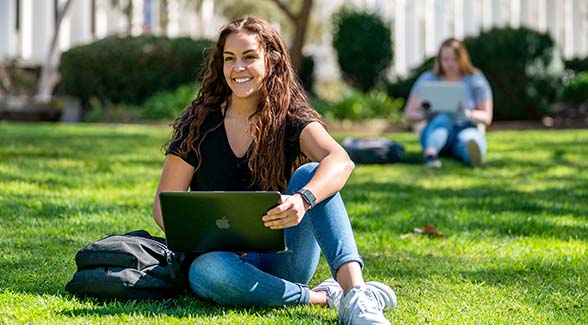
column 359, row 304
column 379, row 300
column 333, row 294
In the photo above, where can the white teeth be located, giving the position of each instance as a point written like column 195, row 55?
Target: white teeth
column 242, row 80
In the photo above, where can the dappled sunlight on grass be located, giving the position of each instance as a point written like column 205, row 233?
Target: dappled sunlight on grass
column 513, row 250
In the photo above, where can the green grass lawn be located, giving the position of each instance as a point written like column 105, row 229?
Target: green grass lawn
column 514, row 249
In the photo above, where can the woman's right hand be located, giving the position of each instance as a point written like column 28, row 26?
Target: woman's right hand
column 288, row 213
column 413, row 111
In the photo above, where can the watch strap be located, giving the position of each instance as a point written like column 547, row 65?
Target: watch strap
column 307, row 196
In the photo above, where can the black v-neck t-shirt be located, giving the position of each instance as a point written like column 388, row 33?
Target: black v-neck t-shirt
column 220, row 169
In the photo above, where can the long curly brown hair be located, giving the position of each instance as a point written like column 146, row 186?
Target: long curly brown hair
column 281, row 97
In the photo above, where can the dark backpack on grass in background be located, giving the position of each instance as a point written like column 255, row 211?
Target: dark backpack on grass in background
column 135, row 265
column 373, row 151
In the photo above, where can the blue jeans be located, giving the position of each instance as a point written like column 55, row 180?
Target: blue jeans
column 450, row 138
column 278, row 279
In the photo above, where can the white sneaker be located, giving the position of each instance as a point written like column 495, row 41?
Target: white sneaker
column 362, row 306
column 384, row 294
column 333, row 291
column 474, row 152
column 432, row 162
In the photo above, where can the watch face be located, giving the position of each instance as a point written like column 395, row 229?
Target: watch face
column 308, row 197
column 311, row 197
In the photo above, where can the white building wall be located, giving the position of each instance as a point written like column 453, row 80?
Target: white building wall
column 8, row 37
column 565, row 20
column 418, row 26
column 190, row 23
column 323, row 53
column 210, row 26
column 102, row 11
column 76, row 26
column 542, row 15
column 554, row 16
column 155, row 17
column 515, row 14
column 173, row 26
column 116, row 22
column 36, row 22
column 471, row 19
column 582, row 26
column 138, row 18
column 400, row 37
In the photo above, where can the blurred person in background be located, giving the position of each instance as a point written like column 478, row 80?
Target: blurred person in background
column 463, row 136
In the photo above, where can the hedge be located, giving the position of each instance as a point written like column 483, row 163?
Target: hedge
column 523, row 67
column 130, row 69
column 363, row 45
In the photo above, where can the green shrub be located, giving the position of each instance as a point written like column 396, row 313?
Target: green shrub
column 105, row 112
column 362, row 106
column 130, row 69
column 166, row 105
column 577, row 64
column 307, row 75
column 402, row 86
column 163, row 105
column 363, row 45
column 523, row 67
column 322, row 106
column 576, row 88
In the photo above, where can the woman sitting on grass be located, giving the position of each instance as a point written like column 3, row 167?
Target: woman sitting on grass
column 457, row 136
column 249, row 127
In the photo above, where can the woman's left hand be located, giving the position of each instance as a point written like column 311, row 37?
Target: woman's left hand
column 287, row 214
column 468, row 113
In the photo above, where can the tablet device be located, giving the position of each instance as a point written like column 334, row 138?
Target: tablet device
column 443, row 97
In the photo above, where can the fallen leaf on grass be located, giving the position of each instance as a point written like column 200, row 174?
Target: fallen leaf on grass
column 426, row 230
column 431, row 231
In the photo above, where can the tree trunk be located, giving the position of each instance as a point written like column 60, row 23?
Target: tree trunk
column 300, row 21
column 163, row 16
column 49, row 74
column 129, row 12
column 301, row 25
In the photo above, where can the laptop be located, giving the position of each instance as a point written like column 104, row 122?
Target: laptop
column 202, row 222
column 443, row 97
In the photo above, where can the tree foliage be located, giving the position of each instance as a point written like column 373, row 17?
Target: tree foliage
column 524, row 68
column 131, row 69
column 364, row 47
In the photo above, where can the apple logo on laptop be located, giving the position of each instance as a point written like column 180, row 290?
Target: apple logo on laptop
column 223, row 223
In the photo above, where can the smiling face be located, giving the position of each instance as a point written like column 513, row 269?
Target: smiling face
column 243, row 64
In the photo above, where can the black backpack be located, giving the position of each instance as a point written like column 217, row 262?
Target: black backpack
column 135, row 265
column 373, row 151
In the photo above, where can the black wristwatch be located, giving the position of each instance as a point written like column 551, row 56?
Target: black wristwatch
column 308, row 197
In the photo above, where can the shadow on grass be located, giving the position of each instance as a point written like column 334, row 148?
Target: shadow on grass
column 31, row 142
column 494, row 208
column 526, row 168
column 30, row 207
column 188, row 305
column 534, row 277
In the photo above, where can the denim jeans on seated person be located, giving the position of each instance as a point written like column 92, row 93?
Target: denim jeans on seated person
column 449, row 137
column 278, row 279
